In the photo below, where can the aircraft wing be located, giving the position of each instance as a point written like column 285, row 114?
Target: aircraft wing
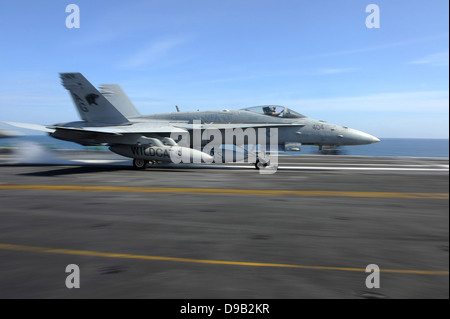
column 80, row 133
column 129, row 134
column 148, row 127
column 142, row 128
column 137, row 128
column 95, row 135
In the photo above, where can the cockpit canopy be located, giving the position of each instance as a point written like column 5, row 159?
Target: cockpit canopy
column 275, row 110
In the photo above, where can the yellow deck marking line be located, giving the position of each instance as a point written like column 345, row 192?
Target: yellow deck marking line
column 201, row 261
column 224, row 191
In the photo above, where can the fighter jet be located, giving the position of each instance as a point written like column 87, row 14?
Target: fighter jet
column 110, row 118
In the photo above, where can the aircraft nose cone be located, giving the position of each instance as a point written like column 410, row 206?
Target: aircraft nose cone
column 375, row 140
column 367, row 138
column 361, row 138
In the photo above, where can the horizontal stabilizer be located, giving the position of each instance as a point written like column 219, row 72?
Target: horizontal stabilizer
column 34, row 127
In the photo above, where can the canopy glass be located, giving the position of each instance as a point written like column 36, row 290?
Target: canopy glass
column 275, row 110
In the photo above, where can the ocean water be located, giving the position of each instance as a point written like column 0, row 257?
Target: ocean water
column 398, row 147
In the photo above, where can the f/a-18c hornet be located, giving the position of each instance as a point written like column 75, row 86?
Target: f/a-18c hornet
column 109, row 118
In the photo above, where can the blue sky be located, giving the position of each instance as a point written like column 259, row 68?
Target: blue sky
column 316, row 57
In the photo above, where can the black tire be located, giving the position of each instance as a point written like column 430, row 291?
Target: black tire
column 260, row 165
column 139, row 163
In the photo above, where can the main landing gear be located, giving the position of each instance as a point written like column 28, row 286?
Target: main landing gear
column 140, row 163
column 143, row 164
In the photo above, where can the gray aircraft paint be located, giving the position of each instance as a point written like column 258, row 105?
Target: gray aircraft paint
column 110, row 118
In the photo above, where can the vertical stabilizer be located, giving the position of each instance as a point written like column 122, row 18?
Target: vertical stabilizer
column 118, row 98
column 91, row 104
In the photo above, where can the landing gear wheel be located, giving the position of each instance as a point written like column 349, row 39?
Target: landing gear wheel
column 140, row 164
column 259, row 164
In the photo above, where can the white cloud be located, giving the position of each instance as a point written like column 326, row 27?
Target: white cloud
column 153, row 52
column 437, row 59
column 378, row 47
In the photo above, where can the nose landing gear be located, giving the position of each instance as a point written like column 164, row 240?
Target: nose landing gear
column 261, row 163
